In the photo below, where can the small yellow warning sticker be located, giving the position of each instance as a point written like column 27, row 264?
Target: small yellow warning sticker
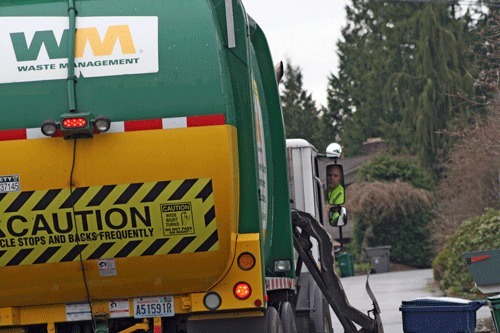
column 177, row 219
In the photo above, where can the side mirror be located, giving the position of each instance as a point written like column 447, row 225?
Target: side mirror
column 338, row 216
column 335, row 184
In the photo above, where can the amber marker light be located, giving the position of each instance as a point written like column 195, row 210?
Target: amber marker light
column 246, row 261
column 242, row 291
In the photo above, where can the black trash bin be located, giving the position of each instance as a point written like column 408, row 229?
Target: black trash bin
column 379, row 258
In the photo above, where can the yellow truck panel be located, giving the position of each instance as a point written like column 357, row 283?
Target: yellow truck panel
column 151, row 228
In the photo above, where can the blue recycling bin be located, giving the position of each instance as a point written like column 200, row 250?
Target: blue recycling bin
column 440, row 315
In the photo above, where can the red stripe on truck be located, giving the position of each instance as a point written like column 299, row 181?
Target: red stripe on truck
column 17, row 134
column 216, row 119
column 142, row 125
column 126, row 126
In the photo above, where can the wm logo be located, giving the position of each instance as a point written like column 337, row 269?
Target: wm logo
column 115, row 34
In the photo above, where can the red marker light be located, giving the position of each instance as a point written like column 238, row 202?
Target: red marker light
column 242, row 290
column 79, row 122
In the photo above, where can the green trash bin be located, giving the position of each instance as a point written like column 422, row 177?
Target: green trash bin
column 346, row 264
column 494, row 304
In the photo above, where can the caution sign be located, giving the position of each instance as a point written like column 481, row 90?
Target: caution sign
column 111, row 221
column 177, row 219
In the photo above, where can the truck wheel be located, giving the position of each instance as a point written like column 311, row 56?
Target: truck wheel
column 328, row 319
column 288, row 318
column 304, row 323
column 273, row 322
column 322, row 317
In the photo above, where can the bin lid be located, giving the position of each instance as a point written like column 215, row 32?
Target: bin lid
column 443, row 302
column 494, row 299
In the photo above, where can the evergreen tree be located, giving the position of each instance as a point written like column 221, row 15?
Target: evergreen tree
column 484, row 55
column 361, row 75
column 299, row 109
column 425, row 90
column 402, row 66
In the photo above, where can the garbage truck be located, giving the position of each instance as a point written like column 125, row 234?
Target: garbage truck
column 143, row 181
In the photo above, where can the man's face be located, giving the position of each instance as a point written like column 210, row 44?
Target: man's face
column 333, row 177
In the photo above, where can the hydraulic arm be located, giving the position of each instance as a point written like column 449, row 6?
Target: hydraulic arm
column 305, row 227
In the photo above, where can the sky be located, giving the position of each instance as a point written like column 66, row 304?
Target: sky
column 306, row 32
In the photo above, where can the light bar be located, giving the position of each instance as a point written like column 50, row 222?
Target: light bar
column 77, row 122
column 76, row 125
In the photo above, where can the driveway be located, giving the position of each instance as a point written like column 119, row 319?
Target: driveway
column 391, row 289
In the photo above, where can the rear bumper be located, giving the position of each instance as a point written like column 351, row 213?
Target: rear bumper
column 190, row 305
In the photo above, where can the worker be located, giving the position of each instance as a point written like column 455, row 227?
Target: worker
column 335, row 188
column 335, row 191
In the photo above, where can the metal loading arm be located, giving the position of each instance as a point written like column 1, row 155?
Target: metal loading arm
column 326, row 277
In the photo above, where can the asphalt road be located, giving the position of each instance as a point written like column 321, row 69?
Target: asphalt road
column 391, row 289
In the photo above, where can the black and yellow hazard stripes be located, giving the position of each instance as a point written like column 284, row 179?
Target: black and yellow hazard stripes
column 111, row 221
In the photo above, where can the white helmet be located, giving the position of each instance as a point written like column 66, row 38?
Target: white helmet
column 334, row 150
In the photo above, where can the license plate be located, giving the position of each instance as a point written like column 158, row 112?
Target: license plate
column 9, row 184
column 149, row 307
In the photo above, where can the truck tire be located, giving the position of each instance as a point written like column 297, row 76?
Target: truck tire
column 328, row 318
column 322, row 318
column 304, row 323
column 288, row 318
column 273, row 322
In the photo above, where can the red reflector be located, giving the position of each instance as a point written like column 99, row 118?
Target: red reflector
column 74, row 122
column 479, row 258
column 242, row 290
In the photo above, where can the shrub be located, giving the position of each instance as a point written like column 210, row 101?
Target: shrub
column 395, row 214
column 385, row 167
column 475, row 234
